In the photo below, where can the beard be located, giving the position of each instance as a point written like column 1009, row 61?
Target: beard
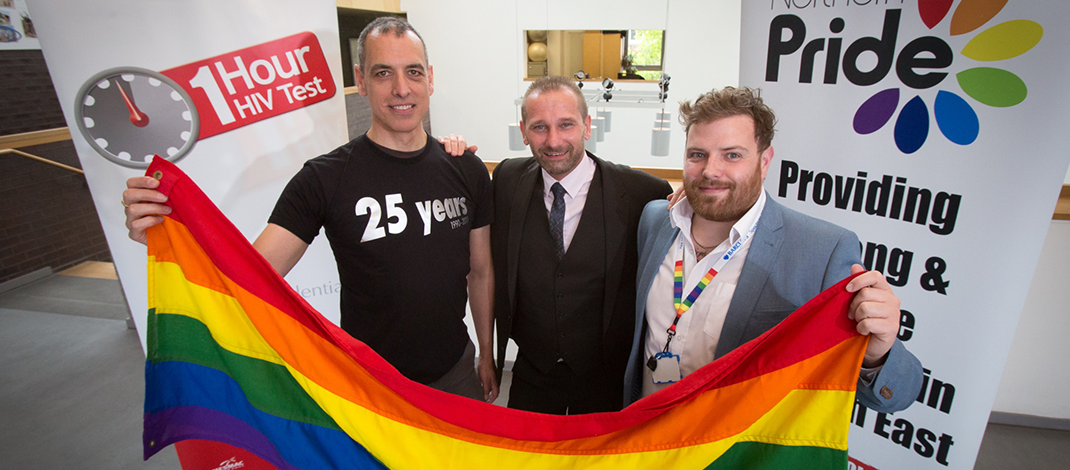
column 729, row 207
column 559, row 167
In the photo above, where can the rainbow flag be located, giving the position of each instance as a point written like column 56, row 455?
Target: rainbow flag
column 236, row 356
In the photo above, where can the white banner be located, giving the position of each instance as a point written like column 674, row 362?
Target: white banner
column 935, row 131
column 238, row 93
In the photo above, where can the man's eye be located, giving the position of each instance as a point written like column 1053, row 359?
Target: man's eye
column 733, row 156
column 696, row 155
column 567, row 124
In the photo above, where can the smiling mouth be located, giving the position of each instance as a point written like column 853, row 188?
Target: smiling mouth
column 714, row 188
column 403, row 107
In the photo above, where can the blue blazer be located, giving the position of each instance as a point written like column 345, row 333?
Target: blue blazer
column 792, row 258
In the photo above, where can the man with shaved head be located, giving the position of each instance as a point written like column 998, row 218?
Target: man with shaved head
column 409, row 225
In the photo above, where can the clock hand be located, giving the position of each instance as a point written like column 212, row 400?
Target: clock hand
column 137, row 117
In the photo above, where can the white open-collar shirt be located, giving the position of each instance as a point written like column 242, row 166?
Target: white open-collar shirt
column 699, row 328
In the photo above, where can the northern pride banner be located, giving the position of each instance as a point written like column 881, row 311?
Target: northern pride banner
column 238, row 93
column 934, row 130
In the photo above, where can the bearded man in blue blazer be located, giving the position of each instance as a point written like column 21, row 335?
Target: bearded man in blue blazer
column 778, row 259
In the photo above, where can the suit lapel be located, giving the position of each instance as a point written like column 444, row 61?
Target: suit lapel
column 614, row 214
column 517, row 212
column 765, row 246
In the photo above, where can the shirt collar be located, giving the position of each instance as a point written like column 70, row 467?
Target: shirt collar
column 680, row 216
column 574, row 181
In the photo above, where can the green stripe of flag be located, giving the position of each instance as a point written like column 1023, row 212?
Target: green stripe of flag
column 268, row 386
column 773, row 456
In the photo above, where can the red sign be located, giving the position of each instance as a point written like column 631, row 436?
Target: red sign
column 194, row 454
column 853, row 464
column 245, row 86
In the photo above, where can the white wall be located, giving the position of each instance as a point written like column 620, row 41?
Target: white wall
column 478, row 54
column 477, row 50
column 1036, row 379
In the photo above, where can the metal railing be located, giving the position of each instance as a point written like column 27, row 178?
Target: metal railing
column 12, row 143
column 41, row 159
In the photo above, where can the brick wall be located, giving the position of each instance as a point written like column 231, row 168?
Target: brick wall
column 47, row 217
column 27, row 100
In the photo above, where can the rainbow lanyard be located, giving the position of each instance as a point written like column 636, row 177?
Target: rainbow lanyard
column 678, row 280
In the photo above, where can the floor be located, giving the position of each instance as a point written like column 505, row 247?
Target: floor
column 71, row 386
column 72, row 378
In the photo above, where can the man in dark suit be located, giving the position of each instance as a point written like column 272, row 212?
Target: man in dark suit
column 564, row 251
column 766, row 261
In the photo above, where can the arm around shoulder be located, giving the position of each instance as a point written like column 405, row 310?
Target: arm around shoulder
column 650, row 187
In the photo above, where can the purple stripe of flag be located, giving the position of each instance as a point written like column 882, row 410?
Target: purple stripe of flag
column 188, row 422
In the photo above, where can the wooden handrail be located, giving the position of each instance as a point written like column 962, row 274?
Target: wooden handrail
column 42, row 160
column 28, row 139
column 1062, row 207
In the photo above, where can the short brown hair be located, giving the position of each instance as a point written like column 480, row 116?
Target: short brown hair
column 553, row 83
column 383, row 25
column 731, row 101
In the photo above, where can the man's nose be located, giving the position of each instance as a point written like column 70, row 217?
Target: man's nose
column 401, row 86
column 554, row 138
column 714, row 168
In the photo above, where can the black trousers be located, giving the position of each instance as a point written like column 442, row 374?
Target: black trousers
column 562, row 391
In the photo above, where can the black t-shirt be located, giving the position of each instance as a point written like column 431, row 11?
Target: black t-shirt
column 399, row 229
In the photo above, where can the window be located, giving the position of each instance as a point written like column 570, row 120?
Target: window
column 642, row 54
column 628, row 54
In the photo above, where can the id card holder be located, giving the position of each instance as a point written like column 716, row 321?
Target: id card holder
column 666, row 368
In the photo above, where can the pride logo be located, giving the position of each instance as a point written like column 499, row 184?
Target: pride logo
column 954, row 115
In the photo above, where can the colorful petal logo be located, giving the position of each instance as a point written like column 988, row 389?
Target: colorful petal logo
column 991, row 86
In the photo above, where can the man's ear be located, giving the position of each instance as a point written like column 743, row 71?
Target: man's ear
column 524, row 132
column 767, row 158
column 358, row 80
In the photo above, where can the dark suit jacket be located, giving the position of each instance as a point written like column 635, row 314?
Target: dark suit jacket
column 624, row 193
column 792, row 258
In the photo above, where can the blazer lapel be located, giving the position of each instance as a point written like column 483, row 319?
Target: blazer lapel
column 614, row 214
column 765, row 246
column 650, row 262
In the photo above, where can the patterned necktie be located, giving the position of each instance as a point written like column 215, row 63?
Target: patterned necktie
column 557, row 218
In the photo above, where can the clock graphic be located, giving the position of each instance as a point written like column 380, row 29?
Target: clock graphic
column 129, row 114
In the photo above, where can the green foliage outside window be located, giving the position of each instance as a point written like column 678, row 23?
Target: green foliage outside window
column 644, row 50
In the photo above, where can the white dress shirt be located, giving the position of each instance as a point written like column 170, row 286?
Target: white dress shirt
column 577, row 183
column 699, row 328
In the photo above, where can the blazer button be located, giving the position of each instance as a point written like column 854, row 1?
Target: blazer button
column 886, row 393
